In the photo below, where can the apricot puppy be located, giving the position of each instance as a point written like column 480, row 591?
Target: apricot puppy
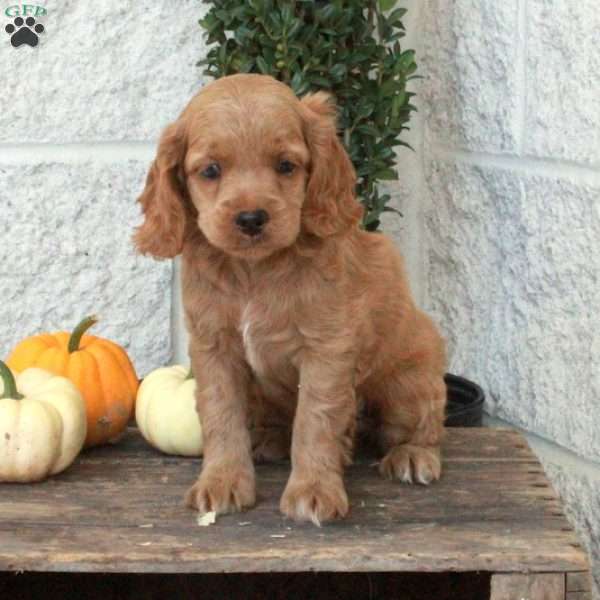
column 285, row 294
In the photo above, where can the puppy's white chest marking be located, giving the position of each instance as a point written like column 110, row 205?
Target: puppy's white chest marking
column 245, row 327
column 267, row 338
column 250, row 349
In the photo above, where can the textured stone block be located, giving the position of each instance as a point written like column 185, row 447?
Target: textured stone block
column 514, row 284
column 563, row 63
column 108, row 71
column 66, row 253
column 406, row 197
column 471, row 86
column 580, row 493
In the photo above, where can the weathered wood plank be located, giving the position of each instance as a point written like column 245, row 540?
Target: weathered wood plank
column 579, row 596
column 230, row 547
column 119, row 509
column 461, row 444
column 579, row 582
column 465, row 493
column 539, row 586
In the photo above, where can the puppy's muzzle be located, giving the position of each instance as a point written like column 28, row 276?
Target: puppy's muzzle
column 252, row 222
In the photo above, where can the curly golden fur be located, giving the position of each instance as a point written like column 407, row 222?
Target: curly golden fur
column 297, row 321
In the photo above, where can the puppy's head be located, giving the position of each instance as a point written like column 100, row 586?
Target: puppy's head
column 251, row 166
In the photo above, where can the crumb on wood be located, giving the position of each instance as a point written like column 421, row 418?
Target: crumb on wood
column 206, row 519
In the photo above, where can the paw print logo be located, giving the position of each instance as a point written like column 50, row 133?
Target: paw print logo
column 24, row 32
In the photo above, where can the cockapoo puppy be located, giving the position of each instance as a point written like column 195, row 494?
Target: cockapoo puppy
column 296, row 316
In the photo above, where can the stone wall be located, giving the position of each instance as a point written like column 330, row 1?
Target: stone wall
column 81, row 113
column 511, row 218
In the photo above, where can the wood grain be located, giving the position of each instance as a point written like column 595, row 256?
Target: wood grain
column 544, row 586
column 119, row 509
column 579, row 582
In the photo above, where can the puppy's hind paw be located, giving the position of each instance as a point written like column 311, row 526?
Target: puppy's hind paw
column 412, row 464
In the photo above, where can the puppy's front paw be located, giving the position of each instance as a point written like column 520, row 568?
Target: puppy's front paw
column 317, row 501
column 412, row 464
column 223, row 490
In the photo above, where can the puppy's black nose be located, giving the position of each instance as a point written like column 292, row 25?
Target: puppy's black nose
column 252, row 222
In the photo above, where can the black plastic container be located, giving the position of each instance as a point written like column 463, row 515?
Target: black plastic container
column 465, row 402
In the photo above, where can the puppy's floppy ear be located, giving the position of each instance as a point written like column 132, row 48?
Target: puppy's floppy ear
column 163, row 204
column 331, row 206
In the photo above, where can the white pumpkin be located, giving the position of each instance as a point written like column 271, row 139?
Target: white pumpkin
column 42, row 424
column 165, row 411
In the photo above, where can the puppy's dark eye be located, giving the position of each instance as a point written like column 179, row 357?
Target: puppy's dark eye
column 285, row 167
column 211, row 172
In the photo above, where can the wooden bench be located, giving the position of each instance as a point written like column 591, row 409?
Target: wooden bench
column 493, row 518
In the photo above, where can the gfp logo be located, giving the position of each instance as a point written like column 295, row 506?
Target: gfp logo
column 24, row 28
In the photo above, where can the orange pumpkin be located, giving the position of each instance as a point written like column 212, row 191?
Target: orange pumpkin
column 99, row 368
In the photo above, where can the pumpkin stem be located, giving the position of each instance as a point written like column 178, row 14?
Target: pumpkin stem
column 10, row 385
column 78, row 332
column 190, row 374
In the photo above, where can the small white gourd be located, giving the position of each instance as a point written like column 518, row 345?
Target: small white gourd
column 165, row 411
column 42, row 424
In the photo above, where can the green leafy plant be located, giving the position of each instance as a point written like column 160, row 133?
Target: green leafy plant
column 348, row 47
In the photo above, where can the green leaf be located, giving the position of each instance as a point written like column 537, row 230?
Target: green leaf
column 365, row 109
column 392, row 209
column 223, row 54
column 320, row 81
column 338, row 71
column 329, row 12
column 296, row 79
column 386, row 4
column 286, row 14
column 368, row 129
column 295, row 28
column 246, row 67
column 363, row 169
column 402, row 143
column 261, row 63
column 302, row 88
column 386, row 174
column 397, row 14
column 407, row 58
